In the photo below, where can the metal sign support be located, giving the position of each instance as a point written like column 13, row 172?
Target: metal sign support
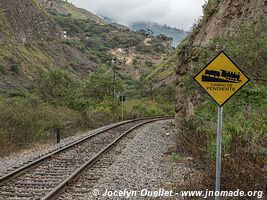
column 219, row 154
column 122, row 110
column 122, row 100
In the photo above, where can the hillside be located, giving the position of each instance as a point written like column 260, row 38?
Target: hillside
column 221, row 20
column 40, row 42
column 238, row 28
column 217, row 22
column 23, row 38
column 68, row 9
column 177, row 34
column 157, row 29
column 63, row 71
column 102, row 42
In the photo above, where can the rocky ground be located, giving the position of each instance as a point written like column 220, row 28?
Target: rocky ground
column 150, row 162
column 19, row 159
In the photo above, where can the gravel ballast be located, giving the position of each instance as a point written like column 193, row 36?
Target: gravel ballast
column 146, row 163
column 11, row 162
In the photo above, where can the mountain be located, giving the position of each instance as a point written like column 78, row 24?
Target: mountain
column 34, row 38
column 27, row 35
column 62, row 69
column 114, row 23
column 177, row 34
column 66, row 8
column 108, row 20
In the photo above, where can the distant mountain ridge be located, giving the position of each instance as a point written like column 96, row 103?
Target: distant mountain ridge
column 114, row 23
column 177, row 34
column 66, row 8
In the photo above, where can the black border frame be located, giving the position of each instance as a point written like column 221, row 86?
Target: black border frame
column 235, row 66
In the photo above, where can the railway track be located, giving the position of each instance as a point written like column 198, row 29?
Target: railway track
column 55, row 173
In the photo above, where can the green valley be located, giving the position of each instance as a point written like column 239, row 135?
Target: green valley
column 65, row 74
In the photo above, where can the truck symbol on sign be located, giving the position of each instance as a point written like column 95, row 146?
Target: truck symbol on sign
column 221, row 76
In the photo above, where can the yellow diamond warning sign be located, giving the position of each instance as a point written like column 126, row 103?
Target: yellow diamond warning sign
column 221, row 78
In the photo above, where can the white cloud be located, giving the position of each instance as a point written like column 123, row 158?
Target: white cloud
column 175, row 13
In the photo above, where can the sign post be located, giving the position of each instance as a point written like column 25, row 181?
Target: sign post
column 122, row 100
column 219, row 153
column 221, row 79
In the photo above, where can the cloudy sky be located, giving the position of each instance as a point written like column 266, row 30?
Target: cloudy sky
column 175, row 13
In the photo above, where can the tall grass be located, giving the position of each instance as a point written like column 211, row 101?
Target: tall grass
column 24, row 122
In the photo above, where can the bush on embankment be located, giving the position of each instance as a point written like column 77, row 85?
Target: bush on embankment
column 23, row 121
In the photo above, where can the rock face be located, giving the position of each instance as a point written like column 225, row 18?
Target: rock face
column 28, row 22
column 31, row 40
column 226, row 15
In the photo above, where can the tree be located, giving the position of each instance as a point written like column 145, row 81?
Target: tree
column 58, row 87
column 100, row 85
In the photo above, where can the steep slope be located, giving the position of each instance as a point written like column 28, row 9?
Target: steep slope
column 33, row 24
column 157, row 29
column 32, row 40
column 221, row 18
column 101, row 42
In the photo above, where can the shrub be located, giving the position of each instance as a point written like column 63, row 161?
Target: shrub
column 146, row 108
column 149, row 64
column 14, row 68
column 208, row 8
column 153, row 111
column 102, row 113
column 2, row 68
column 100, row 85
column 14, row 65
column 24, row 122
column 57, row 87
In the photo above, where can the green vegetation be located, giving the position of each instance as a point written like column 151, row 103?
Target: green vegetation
column 44, row 91
column 147, row 100
column 245, row 119
column 24, row 120
column 2, row 68
column 209, row 8
column 165, row 69
column 96, row 40
column 58, row 99
column 14, row 65
column 54, row 12
column 175, row 156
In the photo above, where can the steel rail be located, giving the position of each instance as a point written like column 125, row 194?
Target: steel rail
column 33, row 163
column 64, row 185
